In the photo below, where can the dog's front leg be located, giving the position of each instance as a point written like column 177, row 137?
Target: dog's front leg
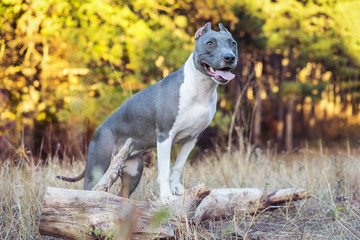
column 176, row 186
column 163, row 154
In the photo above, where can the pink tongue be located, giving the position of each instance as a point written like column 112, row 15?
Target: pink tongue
column 227, row 75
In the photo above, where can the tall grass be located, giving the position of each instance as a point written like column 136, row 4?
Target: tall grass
column 332, row 179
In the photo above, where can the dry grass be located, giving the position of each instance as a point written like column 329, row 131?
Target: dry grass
column 333, row 179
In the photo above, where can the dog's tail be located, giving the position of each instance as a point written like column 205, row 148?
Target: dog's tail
column 75, row 179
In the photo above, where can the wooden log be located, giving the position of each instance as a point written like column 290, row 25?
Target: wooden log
column 95, row 214
column 116, row 167
column 225, row 203
column 79, row 214
column 187, row 204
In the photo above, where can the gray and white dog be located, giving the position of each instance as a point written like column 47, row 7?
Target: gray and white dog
column 174, row 110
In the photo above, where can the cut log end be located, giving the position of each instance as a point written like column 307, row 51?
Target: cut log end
column 186, row 204
column 79, row 214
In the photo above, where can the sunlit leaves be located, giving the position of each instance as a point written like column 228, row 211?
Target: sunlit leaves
column 77, row 61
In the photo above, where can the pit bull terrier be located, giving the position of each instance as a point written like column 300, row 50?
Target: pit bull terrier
column 175, row 110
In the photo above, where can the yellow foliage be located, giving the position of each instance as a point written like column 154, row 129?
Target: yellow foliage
column 55, row 54
column 166, row 72
column 275, row 89
column 73, row 79
column 305, row 73
column 34, row 94
column 159, row 61
column 41, row 116
column 315, row 92
column 263, row 94
column 285, row 62
column 223, row 103
column 327, row 76
column 250, row 94
column 6, row 115
column 180, row 21
column 258, row 69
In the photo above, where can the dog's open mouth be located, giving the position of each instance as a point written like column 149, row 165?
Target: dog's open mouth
column 223, row 74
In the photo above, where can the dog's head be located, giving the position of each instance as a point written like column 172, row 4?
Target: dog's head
column 215, row 53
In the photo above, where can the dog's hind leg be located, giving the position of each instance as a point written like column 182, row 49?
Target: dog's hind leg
column 100, row 151
column 132, row 174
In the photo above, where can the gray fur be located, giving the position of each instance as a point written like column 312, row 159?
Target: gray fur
column 142, row 118
column 222, row 43
column 168, row 102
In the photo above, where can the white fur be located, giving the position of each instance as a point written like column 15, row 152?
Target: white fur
column 132, row 165
column 163, row 152
column 175, row 185
column 197, row 103
column 197, row 107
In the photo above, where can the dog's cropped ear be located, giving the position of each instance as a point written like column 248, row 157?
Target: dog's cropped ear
column 223, row 29
column 202, row 30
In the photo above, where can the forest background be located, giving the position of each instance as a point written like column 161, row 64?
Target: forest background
column 65, row 65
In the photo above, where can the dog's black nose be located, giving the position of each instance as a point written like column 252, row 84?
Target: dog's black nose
column 229, row 57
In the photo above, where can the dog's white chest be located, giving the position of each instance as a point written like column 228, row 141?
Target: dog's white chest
column 197, row 106
column 193, row 118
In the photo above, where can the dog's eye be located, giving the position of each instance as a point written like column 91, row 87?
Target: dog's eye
column 210, row 43
column 233, row 44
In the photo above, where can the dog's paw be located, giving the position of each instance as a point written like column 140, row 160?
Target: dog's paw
column 168, row 199
column 177, row 189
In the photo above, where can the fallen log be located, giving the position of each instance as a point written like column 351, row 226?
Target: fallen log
column 225, row 203
column 78, row 214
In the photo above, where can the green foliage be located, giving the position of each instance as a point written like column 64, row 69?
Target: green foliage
column 314, row 31
column 300, row 90
column 160, row 217
column 222, row 121
column 101, row 233
column 65, row 63
column 75, row 62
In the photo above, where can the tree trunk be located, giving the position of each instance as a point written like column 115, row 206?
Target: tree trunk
column 312, row 121
column 289, row 125
column 258, row 119
column 280, row 125
column 258, row 106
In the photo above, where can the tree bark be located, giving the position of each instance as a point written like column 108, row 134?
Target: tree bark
column 289, row 124
column 225, row 203
column 258, row 119
column 78, row 214
column 258, row 105
column 280, row 125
